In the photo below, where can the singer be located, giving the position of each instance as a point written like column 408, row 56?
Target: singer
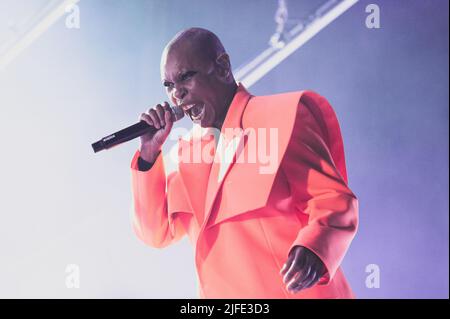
column 279, row 233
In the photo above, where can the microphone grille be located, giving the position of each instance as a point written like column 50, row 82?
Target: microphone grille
column 178, row 113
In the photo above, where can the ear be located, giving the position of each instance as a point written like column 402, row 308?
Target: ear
column 223, row 66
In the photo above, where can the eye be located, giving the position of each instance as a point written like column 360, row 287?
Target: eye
column 187, row 75
column 168, row 84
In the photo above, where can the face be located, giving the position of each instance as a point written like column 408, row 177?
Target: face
column 197, row 84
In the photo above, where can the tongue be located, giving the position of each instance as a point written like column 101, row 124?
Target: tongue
column 196, row 110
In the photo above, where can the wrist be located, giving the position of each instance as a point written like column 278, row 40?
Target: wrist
column 149, row 156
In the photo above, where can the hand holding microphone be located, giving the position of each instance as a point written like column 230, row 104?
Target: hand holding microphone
column 153, row 128
column 159, row 117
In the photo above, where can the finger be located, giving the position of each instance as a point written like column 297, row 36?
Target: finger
column 293, row 283
column 144, row 117
column 296, row 283
column 291, row 257
column 311, row 280
column 287, row 264
column 305, row 278
column 167, row 108
column 155, row 119
column 160, row 111
column 169, row 123
column 314, row 279
column 293, row 269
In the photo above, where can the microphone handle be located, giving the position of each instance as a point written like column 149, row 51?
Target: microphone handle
column 132, row 132
column 123, row 136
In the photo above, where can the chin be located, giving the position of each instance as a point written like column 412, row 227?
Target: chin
column 204, row 124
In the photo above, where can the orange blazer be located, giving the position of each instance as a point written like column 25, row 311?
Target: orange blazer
column 243, row 220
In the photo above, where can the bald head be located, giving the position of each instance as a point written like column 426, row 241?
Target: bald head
column 198, row 40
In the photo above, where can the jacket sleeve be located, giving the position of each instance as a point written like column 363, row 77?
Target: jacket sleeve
column 320, row 189
column 151, row 220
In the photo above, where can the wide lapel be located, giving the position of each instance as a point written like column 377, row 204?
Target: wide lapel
column 267, row 121
column 231, row 141
column 194, row 169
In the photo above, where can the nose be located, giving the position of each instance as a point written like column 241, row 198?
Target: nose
column 178, row 94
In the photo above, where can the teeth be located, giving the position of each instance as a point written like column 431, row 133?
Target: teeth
column 198, row 116
column 188, row 108
column 192, row 109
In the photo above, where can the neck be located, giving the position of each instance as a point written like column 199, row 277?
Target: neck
column 230, row 92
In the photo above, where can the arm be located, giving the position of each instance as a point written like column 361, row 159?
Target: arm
column 151, row 221
column 320, row 191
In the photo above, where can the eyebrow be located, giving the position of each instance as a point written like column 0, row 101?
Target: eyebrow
column 179, row 75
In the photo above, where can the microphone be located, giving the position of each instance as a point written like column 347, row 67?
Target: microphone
column 132, row 132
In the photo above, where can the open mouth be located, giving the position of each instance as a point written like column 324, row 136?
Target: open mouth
column 196, row 111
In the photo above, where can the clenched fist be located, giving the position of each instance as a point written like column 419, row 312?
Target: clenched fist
column 302, row 270
column 161, row 118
